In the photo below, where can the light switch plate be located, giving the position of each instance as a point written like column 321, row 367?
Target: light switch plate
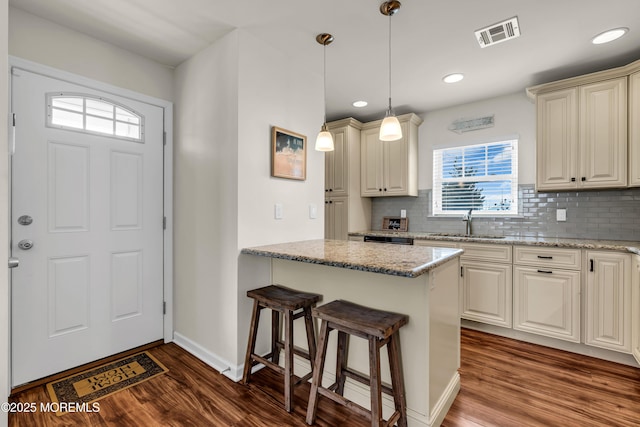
column 403, row 213
column 313, row 211
column 561, row 215
column 277, row 211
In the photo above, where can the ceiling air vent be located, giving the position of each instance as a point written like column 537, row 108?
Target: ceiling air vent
column 499, row 32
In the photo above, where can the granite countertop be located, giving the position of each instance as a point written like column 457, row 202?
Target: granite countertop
column 395, row 260
column 616, row 245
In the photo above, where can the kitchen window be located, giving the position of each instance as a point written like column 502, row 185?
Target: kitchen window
column 89, row 114
column 481, row 177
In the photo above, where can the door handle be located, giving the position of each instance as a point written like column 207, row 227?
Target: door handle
column 25, row 244
column 13, row 262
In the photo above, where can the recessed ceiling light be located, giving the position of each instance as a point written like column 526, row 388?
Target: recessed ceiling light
column 360, row 104
column 453, row 78
column 609, row 36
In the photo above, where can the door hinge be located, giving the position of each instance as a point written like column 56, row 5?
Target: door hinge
column 12, row 143
column 164, row 138
column 164, row 307
column 164, row 222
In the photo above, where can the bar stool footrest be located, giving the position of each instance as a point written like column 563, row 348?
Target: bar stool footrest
column 364, row 379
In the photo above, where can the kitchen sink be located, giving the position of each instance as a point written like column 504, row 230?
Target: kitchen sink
column 474, row 236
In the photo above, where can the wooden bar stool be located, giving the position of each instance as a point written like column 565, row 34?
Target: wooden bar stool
column 286, row 301
column 378, row 328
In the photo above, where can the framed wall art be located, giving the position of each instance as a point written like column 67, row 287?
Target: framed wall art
column 288, row 154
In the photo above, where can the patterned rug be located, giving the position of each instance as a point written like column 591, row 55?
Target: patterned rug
column 94, row 384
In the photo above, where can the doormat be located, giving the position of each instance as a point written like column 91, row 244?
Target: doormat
column 80, row 390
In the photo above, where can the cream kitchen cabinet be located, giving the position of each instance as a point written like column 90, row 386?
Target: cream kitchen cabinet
column 582, row 136
column 608, row 300
column 345, row 210
column 435, row 243
column 336, row 215
column 635, row 308
column 546, row 292
column 634, row 129
column 486, row 283
column 390, row 168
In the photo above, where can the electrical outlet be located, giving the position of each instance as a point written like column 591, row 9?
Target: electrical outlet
column 561, row 215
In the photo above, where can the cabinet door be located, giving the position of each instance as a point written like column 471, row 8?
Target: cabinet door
column 634, row 130
column 608, row 301
column 557, row 140
column 396, row 165
column 336, row 224
column 485, row 294
column 547, row 302
column 603, row 134
column 371, row 168
column 635, row 326
column 337, row 165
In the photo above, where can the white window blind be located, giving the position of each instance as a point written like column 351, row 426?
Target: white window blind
column 482, row 177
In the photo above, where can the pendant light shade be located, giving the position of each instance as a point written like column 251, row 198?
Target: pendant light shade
column 324, row 141
column 390, row 129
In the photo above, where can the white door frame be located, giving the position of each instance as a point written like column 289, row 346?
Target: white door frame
column 167, row 107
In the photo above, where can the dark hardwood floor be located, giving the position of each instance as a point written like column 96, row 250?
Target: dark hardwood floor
column 504, row 383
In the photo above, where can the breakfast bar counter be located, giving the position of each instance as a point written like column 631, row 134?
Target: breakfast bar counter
column 419, row 281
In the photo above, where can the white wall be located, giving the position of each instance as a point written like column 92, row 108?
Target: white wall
column 227, row 98
column 272, row 92
column 514, row 116
column 4, row 211
column 205, row 197
column 44, row 42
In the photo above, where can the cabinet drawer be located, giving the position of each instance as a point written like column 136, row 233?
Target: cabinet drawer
column 435, row 243
column 480, row 251
column 548, row 257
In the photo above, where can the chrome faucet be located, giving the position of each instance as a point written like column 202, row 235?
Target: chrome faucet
column 467, row 218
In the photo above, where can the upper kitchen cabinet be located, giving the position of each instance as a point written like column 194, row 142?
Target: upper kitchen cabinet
column 390, row 168
column 582, row 138
column 345, row 210
column 634, row 129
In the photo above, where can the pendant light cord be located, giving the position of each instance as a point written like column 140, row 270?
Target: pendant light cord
column 389, row 111
column 324, row 79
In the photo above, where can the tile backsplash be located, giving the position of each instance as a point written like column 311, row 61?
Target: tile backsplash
column 605, row 214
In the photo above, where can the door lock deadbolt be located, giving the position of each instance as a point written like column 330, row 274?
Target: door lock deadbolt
column 25, row 220
column 25, row 244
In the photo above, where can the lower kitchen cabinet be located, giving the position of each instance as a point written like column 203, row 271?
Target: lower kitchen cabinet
column 486, row 285
column 608, row 300
column 336, row 214
column 635, row 327
column 547, row 302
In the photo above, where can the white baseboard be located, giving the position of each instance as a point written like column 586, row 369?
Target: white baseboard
column 440, row 409
column 221, row 365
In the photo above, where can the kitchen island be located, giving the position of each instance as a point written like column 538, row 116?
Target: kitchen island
column 419, row 281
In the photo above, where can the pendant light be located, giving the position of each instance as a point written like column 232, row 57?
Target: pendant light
column 390, row 129
column 324, row 141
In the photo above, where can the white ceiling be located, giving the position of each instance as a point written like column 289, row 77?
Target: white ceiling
column 430, row 39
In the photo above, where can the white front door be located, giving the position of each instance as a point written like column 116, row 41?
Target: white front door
column 87, row 225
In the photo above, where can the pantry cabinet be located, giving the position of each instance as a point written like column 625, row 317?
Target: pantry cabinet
column 546, row 294
column 582, row 136
column 345, row 210
column 390, row 168
column 608, row 300
column 486, row 284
